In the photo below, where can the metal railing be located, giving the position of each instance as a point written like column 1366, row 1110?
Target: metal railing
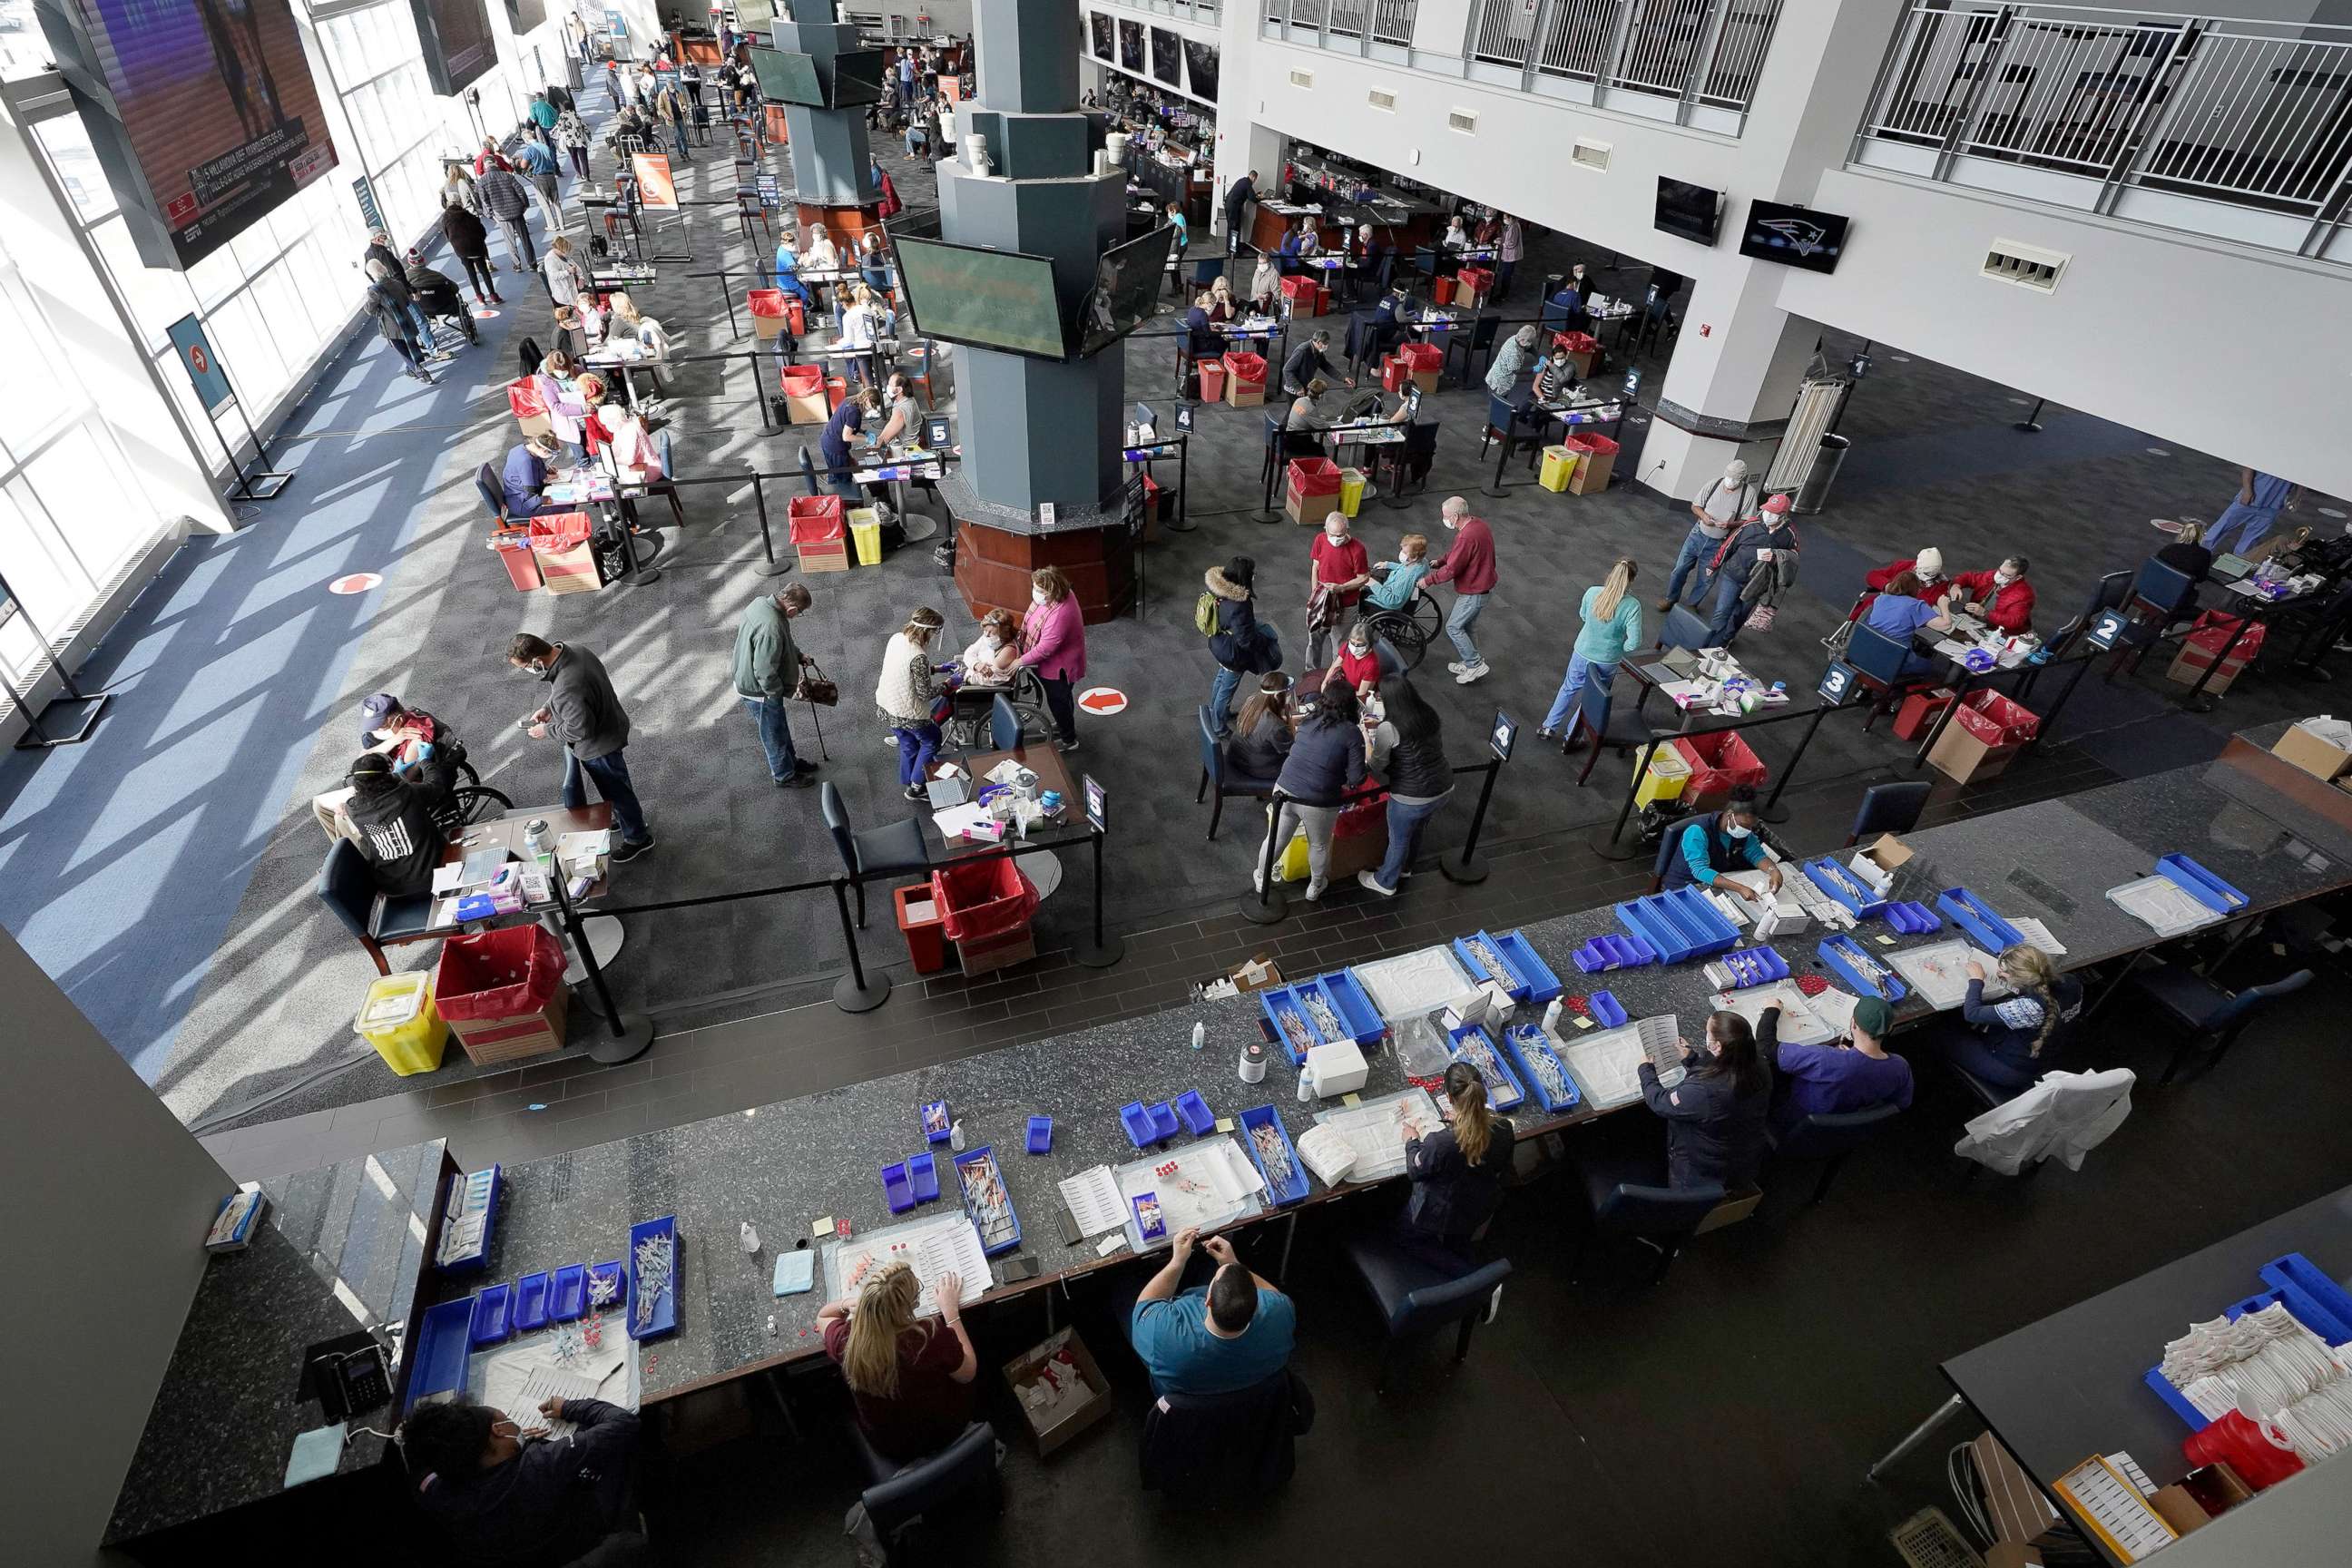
column 1697, row 51
column 1205, row 12
column 2257, row 114
column 1321, row 21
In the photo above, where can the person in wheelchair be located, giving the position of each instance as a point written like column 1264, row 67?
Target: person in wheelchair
column 399, row 833
column 1399, row 580
column 994, row 659
column 437, row 293
column 422, row 750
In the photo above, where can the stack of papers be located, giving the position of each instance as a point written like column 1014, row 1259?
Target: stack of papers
column 2036, row 934
column 2163, row 905
column 938, row 1244
column 1607, row 1066
column 1375, row 1130
column 1094, row 1200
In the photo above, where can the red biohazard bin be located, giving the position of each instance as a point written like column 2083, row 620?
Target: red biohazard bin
column 1212, row 380
column 986, row 908
column 836, row 387
column 1599, row 461
column 1996, row 720
column 1423, row 356
column 926, row 941
column 1314, row 477
column 1440, row 289
column 773, row 314
column 513, row 547
column 820, row 533
column 1919, row 712
column 1395, row 374
column 503, row 992
column 1719, row 763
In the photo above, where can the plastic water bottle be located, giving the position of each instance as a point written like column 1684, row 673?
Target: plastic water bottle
column 1200, row 1034
column 748, row 1238
column 955, row 1135
column 1305, row 1085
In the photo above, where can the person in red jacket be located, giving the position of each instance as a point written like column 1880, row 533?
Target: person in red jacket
column 1927, row 566
column 1469, row 565
column 2005, row 596
column 1340, row 563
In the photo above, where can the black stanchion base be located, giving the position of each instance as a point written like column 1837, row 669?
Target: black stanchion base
column 1609, row 849
column 261, row 487
column 1272, row 910
column 850, row 999
column 1100, row 954
column 1470, row 870
column 772, row 568
column 644, row 576
column 1775, row 815
column 2027, row 427
column 57, row 726
column 636, row 1037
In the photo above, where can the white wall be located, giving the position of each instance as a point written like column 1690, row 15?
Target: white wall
column 110, row 1198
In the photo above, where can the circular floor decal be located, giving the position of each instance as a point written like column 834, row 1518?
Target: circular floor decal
column 2159, row 451
column 2331, row 512
column 1103, row 701
column 484, row 313
column 356, row 583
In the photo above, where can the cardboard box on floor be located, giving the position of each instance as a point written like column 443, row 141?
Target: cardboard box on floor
column 1962, row 757
column 1060, row 1389
column 2320, row 746
column 1260, row 973
column 2191, row 662
column 1309, row 510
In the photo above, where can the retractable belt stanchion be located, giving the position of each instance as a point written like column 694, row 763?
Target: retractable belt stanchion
column 1612, row 847
column 769, row 566
column 1471, row 870
column 855, row 992
column 628, row 1035
column 1267, row 906
column 1101, row 950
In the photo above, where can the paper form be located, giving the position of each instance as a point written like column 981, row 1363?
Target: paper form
column 2037, row 934
column 1094, row 1200
column 938, row 1244
column 1375, row 1130
column 1607, row 1068
column 1800, row 1023
column 1939, row 972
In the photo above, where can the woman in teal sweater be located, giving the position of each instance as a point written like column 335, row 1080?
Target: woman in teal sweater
column 1612, row 623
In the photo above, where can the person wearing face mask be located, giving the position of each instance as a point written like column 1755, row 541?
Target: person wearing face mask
column 1897, row 613
column 1240, row 643
column 908, row 693
column 1715, row 512
column 584, row 714
column 1517, row 356
column 1927, row 566
column 1327, row 761
column 1339, row 566
column 1054, row 644
column 2010, row 1043
column 1357, row 666
column 1725, row 841
column 2006, row 595
column 1457, row 237
column 1612, row 617
column 994, row 655
column 1469, row 565
column 1399, row 580
column 1415, row 770
column 504, row 1502
column 767, row 667
column 1714, row 1117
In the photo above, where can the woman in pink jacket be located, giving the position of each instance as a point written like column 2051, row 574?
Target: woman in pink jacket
column 1054, row 644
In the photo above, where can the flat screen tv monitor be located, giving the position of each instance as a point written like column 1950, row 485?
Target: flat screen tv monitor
column 1694, row 212
column 857, row 79
column 1794, row 236
column 988, row 298
column 1128, row 281
column 787, row 77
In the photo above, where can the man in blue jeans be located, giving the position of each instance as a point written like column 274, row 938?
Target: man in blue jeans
column 584, row 714
column 1715, row 512
column 767, row 671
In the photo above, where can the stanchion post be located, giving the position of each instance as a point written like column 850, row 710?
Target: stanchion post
column 760, row 395
column 1102, row 949
column 855, row 992
column 629, row 1035
column 2050, row 720
column 770, row 566
column 1470, row 868
column 1502, row 462
column 733, row 331
column 1609, row 849
column 1267, row 906
column 2031, row 424
column 1771, row 810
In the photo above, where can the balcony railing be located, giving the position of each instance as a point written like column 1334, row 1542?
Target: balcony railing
column 1687, row 51
column 1341, row 24
column 1205, row 12
column 2127, row 113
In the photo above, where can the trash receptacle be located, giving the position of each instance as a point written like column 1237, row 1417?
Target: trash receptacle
column 925, row 929
column 1665, row 779
column 866, row 535
column 1559, row 468
column 398, row 1018
column 502, row 993
column 1212, row 380
column 1814, row 493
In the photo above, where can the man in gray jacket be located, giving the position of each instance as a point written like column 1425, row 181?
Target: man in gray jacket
column 508, row 200
column 767, row 670
column 583, row 712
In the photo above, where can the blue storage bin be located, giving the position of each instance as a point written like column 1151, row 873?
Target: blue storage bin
column 1284, row 1001
column 898, row 1187
column 936, row 1125
column 569, row 1298
column 1277, row 1193
column 2323, row 1306
column 1503, row 1090
column 923, row 1175
column 1138, row 1122
column 1680, row 925
column 436, row 1363
column 1910, row 918
column 2153, row 1377
column 1199, row 1120
column 1521, row 955
column 1754, row 966
column 2202, row 885
column 1609, row 951
column 1354, row 1005
column 1163, row 1123
column 662, row 1319
column 493, row 1314
column 530, row 1299
column 1975, row 917
column 599, row 1272
column 989, row 1245
column 1465, row 948
column 1532, row 1052
column 1845, row 885
column 1606, row 1010
column 1845, row 955
column 1041, row 1134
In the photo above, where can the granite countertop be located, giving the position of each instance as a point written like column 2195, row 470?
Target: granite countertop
column 342, row 1249
column 784, row 1166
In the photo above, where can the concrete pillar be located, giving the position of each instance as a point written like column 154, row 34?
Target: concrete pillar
column 829, row 151
column 1730, row 384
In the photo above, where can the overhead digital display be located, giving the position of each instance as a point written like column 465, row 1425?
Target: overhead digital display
column 1687, row 210
column 857, row 78
column 787, row 77
column 1201, row 61
column 1126, row 288
column 1130, row 45
column 1166, row 57
column 202, row 112
column 1794, row 236
column 455, row 38
column 526, row 15
column 989, row 298
column 1100, row 25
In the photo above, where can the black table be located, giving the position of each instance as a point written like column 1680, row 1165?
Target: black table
column 2062, row 1390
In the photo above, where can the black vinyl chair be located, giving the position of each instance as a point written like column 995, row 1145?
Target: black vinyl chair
column 1414, row 455
column 894, row 846
column 905, row 1504
column 1829, row 1137
column 2160, row 594
column 491, row 487
column 347, row 886
column 2208, row 1018
column 1878, row 661
column 1598, row 721
column 1682, row 627
column 1507, row 421
column 1417, row 1298
column 1663, row 1219
column 1481, row 341
column 1200, row 1450
column 1889, row 808
column 1215, row 775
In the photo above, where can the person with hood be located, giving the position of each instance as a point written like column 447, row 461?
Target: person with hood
column 503, row 1502
column 1240, row 643
column 398, row 837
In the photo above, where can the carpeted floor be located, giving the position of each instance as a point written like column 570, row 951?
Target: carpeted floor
column 180, row 914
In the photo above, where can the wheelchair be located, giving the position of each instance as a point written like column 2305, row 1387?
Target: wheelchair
column 1408, row 631
column 470, row 800
column 966, row 726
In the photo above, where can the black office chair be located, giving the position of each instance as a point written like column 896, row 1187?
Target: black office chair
column 1663, row 1219
column 1829, row 1137
column 1682, row 627
column 1207, row 270
column 907, row 1505
column 1413, row 457
column 2207, row 1018
column 347, row 886
column 1598, row 721
column 1200, row 1450
column 491, row 487
column 1416, row 1297
column 1481, row 341
column 1889, row 808
column 1878, row 661
column 1214, row 774
column 2159, row 595
column 1669, row 845
column 894, row 846
column 1507, row 422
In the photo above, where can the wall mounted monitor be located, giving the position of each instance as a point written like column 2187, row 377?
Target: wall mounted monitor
column 1167, row 57
column 857, row 79
column 1098, row 26
column 526, row 15
column 202, row 118
column 1794, row 236
column 1200, row 62
column 454, row 39
column 1130, row 45
column 988, row 298
column 1694, row 212
column 1128, row 281
column 787, row 77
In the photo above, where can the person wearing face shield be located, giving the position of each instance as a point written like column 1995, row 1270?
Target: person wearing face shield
column 1726, row 841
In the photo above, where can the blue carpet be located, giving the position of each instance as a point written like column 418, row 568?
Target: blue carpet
column 1982, row 451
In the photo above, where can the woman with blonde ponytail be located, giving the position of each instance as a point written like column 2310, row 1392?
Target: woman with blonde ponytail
column 1612, row 623
column 1457, row 1173
column 909, row 1379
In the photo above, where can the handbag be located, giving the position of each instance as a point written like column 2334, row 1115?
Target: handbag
column 816, row 687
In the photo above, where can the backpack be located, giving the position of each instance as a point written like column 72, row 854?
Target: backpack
column 1205, row 614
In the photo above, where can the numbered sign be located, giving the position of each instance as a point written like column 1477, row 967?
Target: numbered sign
column 2106, row 627
column 1837, row 683
column 1503, row 736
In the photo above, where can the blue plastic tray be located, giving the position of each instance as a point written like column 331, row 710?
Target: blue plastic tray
column 1607, row 1011
column 2153, row 1377
column 1198, row 1119
column 569, row 1300
column 438, row 1363
column 1839, row 952
column 1911, row 918
column 1349, row 1001
column 493, row 1314
column 1762, row 965
column 1520, row 954
column 1525, row 1041
column 1680, row 924
column 1975, row 917
column 531, row 1295
column 1041, row 1134
column 2313, row 1296
column 1504, row 1096
column 1278, row 1000
column 1138, row 1122
column 898, row 1187
column 1818, row 873
column 2202, row 885
column 923, row 1120
column 923, row 1174
column 1609, row 951
column 1289, row 1192
column 613, row 1271
column 1163, row 1123
column 988, row 1247
column 663, row 1319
